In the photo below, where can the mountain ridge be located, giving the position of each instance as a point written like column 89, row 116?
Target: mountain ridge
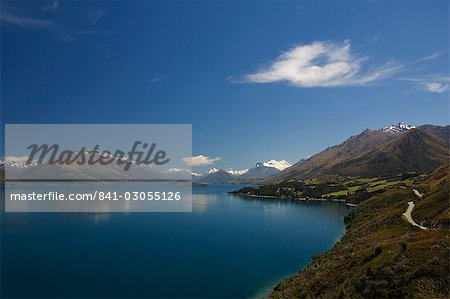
column 261, row 171
column 377, row 152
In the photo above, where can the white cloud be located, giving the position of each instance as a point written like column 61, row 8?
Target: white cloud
column 323, row 64
column 70, row 34
column 435, row 87
column 52, row 7
column 434, row 83
column 158, row 79
column 200, row 160
column 432, row 56
column 25, row 22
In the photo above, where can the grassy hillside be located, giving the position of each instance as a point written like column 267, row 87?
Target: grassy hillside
column 350, row 190
column 381, row 254
column 433, row 210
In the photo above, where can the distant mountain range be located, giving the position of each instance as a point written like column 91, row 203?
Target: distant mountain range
column 220, row 176
column 391, row 150
column 260, row 171
column 21, row 170
column 16, row 169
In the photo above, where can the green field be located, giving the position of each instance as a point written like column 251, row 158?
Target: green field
column 342, row 192
column 362, row 184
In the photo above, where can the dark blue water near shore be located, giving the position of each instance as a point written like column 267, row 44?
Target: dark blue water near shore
column 228, row 246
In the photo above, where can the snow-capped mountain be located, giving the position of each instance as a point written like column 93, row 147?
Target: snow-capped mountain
column 16, row 169
column 220, row 176
column 259, row 171
column 183, row 171
column 280, row 165
column 399, row 128
column 16, row 164
column 237, row 172
column 273, row 165
column 231, row 171
column 391, row 150
column 213, row 170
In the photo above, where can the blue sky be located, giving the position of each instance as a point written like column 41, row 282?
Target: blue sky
column 257, row 80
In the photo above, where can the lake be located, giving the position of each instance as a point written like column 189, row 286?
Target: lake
column 229, row 246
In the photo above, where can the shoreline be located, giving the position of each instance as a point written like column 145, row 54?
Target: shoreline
column 296, row 199
column 266, row 291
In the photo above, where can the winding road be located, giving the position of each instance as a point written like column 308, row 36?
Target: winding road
column 408, row 212
column 417, row 193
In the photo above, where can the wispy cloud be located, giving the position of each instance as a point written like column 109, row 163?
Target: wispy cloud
column 374, row 39
column 200, row 160
column 10, row 18
column 435, row 87
column 432, row 56
column 158, row 79
column 25, row 22
column 51, row 7
column 73, row 35
column 96, row 15
column 323, row 64
column 434, row 83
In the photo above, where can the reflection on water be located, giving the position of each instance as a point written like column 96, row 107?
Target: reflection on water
column 200, row 202
column 228, row 246
column 98, row 218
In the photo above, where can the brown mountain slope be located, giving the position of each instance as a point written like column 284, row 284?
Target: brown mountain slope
column 412, row 151
column 377, row 152
column 439, row 132
column 350, row 149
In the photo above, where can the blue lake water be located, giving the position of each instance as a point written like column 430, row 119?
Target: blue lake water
column 228, row 246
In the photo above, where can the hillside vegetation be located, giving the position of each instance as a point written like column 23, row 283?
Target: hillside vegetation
column 349, row 190
column 382, row 255
column 434, row 210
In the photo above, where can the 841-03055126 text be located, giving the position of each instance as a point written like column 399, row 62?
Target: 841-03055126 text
column 98, row 195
